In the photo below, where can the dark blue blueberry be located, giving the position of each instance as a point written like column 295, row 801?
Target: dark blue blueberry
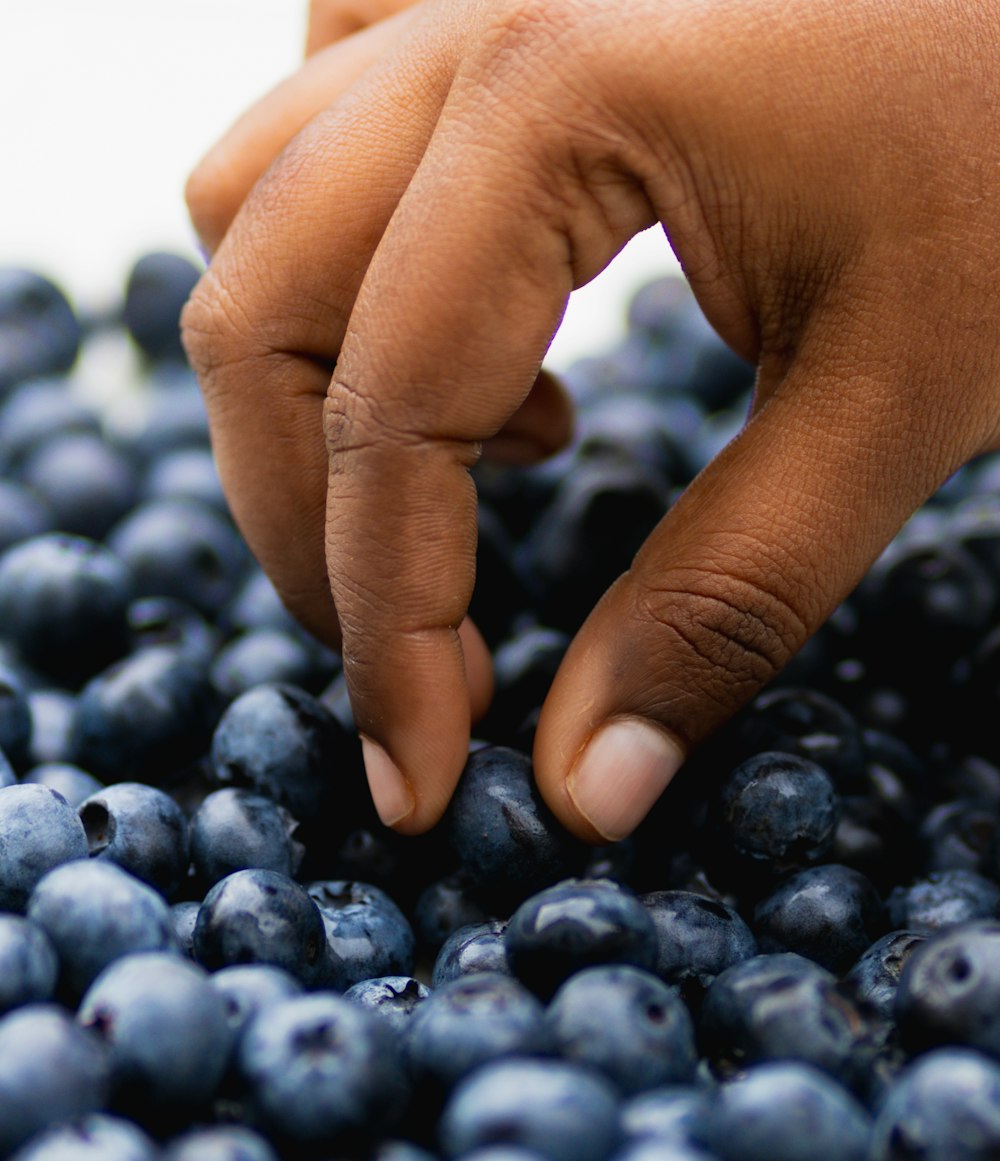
column 247, row 989
column 949, row 990
column 502, row 593
column 784, row 1112
column 94, row 913
column 523, row 669
column 943, row 899
column 874, row 979
column 166, row 1027
column 74, row 784
column 257, row 605
column 389, row 1150
column 29, row 965
column 260, row 657
column 828, row 913
column 443, row 907
column 470, row 1021
column 502, row 1153
column 394, row 998
column 262, row 917
column 235, row 830
column 62, row 603
column 577, row 924
column 944, row 1107
column 96, row 1137
column 664, row 1115
column 631, row 428
column 7, row 775
column 185, row 473
column 52, row 712
column 87, row 484
column 140, row 828
column 148, row 716
column 697, row 938
column 506, row 838
column 960, row 836
column 23, row 514
column 174, row 418
column 168, row 621
column 185, row 916
column 777, row 811
column 626, row 1024
column 560, row 1110
column 366, row 933
column 157, row 287
column 183, row 549
column 776, row 1007
column 320, row 1070
column 38, row 831
column 279, row 741
column 53, row 1071
column 476, row 947
column 39, row 411
column 39, row 331
column 220, row 1143
column 651, row 1150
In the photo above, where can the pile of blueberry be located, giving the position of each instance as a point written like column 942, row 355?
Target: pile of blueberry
column 210, row 950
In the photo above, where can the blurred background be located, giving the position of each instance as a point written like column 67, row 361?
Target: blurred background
column 108, row 104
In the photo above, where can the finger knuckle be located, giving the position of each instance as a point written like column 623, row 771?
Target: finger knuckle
column 214, row 329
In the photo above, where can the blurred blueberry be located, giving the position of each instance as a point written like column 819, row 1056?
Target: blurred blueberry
column 256, row 605
column 561, row 1110
column 7, row 775
column 74, row 784
column 943, row 899
column 577, row 924
column 320, row 1070
column 39, row 830
column 366, row 932
column 166, row 1027
column 52, row 712
column 944, row 1107
column 625, row 1023
column 39, row 331
column 147, row 716
column 15, row 718
column 259, row 657
column 37, row 411
column 502, row 592
column 185, row 916
column 23, row 514
column 94, row 913
column 62, row 603
column 960, row 836
column 394, row 998
column 475, row 947
column 248, row 989
column 174, row 419
column 234, row 830
column 523, row 668
column 53, row 1071
column 444, row 906
column 653, row 1150
column 156, row 289
column 185, row 473
column 220, row 1143
column 29, row 965
column 142, row 830
column 168, row 621
column 95, row 1137
column 665, row 1115
column 257, row 916
column 874, row 979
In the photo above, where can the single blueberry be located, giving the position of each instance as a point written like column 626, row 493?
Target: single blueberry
column 561, row 1110
column 94, row 912
column 74, row 784
column 15, row 718
column 234, row 830
column 394, row 998
column 185, row 473
column 168, row 621
column 174, row 416
column 321, row 1071
column 39, row 330
column 260, row 657
column 444, row 907
column 7, row 775
column 248, row 989
column 475, row 947
column 39, row 830
column 52, row 712
column 960, row 836
column 874, row 979
column 366, row 933
column 523, row 668
column 220, row 1143
column 140, row 828
column 23, row 514
column 943, row 899
column 29, row 965
column 36, row 412
column 625, row 1023
column 577, row 924
column 95, row 1137
column 184, row 916
column 53, row 1071
column 166, row 1027
column 664, row 1115
column 156, row 289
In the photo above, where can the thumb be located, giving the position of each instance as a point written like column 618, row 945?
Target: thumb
column 762, row 546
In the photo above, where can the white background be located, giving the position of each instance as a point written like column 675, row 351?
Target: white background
column 105, row 105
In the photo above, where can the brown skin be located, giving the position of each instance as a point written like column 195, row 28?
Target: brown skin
column 826, row 171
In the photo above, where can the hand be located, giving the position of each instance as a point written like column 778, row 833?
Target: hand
column 381, row 302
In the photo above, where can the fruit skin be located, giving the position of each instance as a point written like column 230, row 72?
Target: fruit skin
column 39, row 830
column 95, row 1137
column 943, row 899
column 249, row 988
column 366, row 933
column 29, row 965
column 15, row 718
column 74, row 784
column 234, row 829
column 156, row 289
column 562, row 1111
column 874, row 979
column 476, row 947
column 220, row 1143
column 39, row 330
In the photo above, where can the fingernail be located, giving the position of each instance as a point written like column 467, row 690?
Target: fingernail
column 623, row 770
column 390, row 791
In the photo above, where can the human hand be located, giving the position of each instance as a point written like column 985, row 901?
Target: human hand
column 382, row 300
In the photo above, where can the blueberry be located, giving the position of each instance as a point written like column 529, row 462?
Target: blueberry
column 257, row 916
column 443, row 907
column 168, row 621
column 560, row 1110
column 39, row 331
column 52, row 712
column 828, row 913
column 185, row 473
column 94, row 912
column 166, row 1027
column 321, row 1071
column 523, row 668
column 37, row 411
column 23, row 514
column 942, row 900
column 234, row 830
column 366, row 933
column 874, row 979
column 62, row 603
column 475, row 947
column 652, row 1150
column 184, row 916
column 465, row 1023
column 664, row 1115
column 74, row 784
column 38, row 831
column 140, row 828
column 174, row 417
column 29, row 966
column 7, row 775
column 960, row 836
column 944, row 1107
column 390, row 1150
column 697, row 938
column 256, row 605
column 949, row 991
column 505, row 836
column 627, row 1024
column 784, row 1112
column 394, row 998
column 220, row 1143
column 262, row 656
column 502, row 591
column 148, row 716
column 574, row 925
column 157, row 287
column 95, row 1137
